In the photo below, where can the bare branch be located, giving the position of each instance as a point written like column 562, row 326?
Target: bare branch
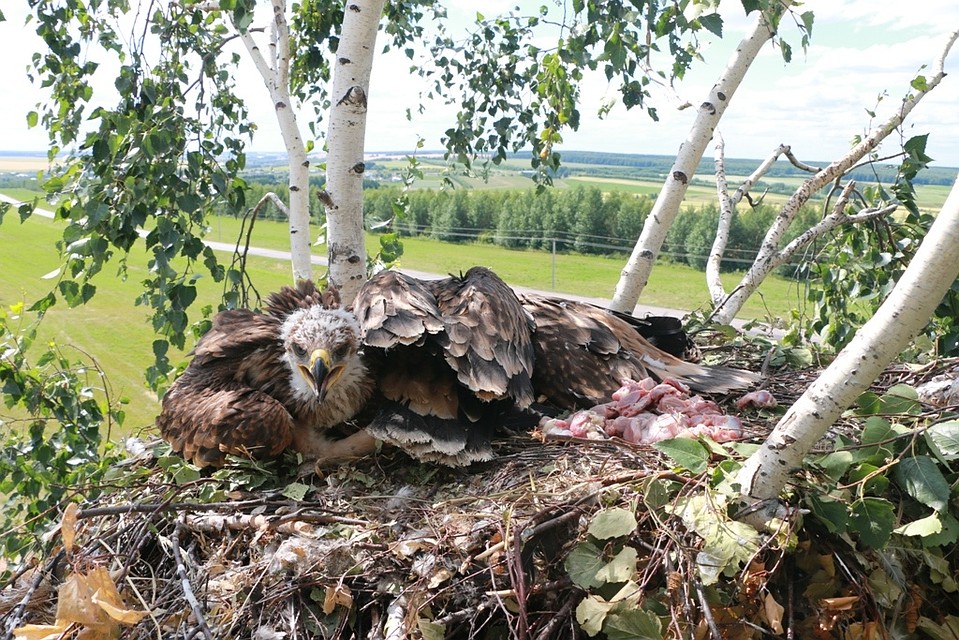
column 635, row 274
column 799, row 164
column 713, row 263
column 186, row 586
column 757, row 175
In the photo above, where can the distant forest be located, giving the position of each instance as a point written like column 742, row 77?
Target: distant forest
column 658, row 167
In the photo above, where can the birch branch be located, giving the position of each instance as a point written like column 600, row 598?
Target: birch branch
column 764, row 168
column 635, row 274
column 276, row 77
column 763, row 265
column 714, row 262
column 908, row 308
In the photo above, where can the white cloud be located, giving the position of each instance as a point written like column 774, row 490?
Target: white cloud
column 816, row 103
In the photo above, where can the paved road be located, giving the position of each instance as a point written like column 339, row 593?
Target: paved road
column 640, row 310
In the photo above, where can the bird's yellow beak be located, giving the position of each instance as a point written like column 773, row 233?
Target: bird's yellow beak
column 321, row 373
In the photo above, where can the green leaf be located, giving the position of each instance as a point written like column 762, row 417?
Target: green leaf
column 873, row 520
column 620, row 569
column 713, row 23
column 875, row 483
column 431, row 630
column 591, row 613
column 921, row 478
column 835, row 464
column 32, row 119
column 687, row 453
column 583, row 563
column 923, row 527
column 948, row 536
column 612, row 523
column 901, row 398
column 919, row 83
column 944, row 438
column 634, row 624
column 295, row 490
column 832, row 513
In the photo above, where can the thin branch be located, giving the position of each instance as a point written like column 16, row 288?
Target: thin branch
column 802, row 166
column 726, row 204
column 186, row 586
column 756, row 175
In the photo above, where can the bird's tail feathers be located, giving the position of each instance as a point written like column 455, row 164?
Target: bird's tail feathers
column 431, row 439
column 698, row 377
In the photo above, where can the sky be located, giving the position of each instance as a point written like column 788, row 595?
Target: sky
column 860, row 50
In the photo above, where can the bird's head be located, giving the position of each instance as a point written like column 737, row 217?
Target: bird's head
column 320, row 346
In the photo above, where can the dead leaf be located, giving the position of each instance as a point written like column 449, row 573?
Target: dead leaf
column 844, row 603
column 337, row 595
column 774, row 613
column 41, row 631
column 68, row 526
column 89, row 601
column 440, row 577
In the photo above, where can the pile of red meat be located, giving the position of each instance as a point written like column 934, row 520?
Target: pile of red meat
column 648, row 411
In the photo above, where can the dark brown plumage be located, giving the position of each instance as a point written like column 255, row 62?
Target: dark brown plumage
column 584, row 352
column 453, row 358
column 260, row 383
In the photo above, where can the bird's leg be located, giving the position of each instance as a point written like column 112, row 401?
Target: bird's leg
column 320, row 451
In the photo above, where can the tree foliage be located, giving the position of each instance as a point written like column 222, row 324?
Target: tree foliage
column 513, row 93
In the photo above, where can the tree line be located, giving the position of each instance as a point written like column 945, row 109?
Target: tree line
column 580, row 219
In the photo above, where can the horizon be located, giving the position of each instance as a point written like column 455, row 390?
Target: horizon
column 434, row 152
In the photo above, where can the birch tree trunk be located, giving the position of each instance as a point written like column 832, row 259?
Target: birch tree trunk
column 768, row 259
column 276, row 76
column 345, row 144
column 635, row 274
column 904, row 313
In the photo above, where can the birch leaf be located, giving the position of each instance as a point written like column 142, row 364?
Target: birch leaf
column 686, row 453
column 635, row 624
column 930, row 525
column 591, row 613
column 873, row 519
column 921, row 478
column 612, row 523
column 583, row 563
column 945, row 438
column 621, row 568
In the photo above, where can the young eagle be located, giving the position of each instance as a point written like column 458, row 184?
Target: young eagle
column 260, row 383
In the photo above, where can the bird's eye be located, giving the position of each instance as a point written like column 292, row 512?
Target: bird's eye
column 298, row 351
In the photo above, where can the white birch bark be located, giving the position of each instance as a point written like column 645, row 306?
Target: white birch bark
column 275, row 72
column 715, row 284
column 904, row 313
column 345, row 145
column 635, row 274
column 766, row 259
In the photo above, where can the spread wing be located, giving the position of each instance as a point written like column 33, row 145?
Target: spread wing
column 490, row 345
column 584, row 352
column 452, row 357
column 226, row 401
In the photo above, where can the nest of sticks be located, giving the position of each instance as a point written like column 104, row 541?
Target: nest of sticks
column 388, row 548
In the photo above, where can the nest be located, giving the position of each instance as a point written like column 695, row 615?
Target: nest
column 388, row 548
